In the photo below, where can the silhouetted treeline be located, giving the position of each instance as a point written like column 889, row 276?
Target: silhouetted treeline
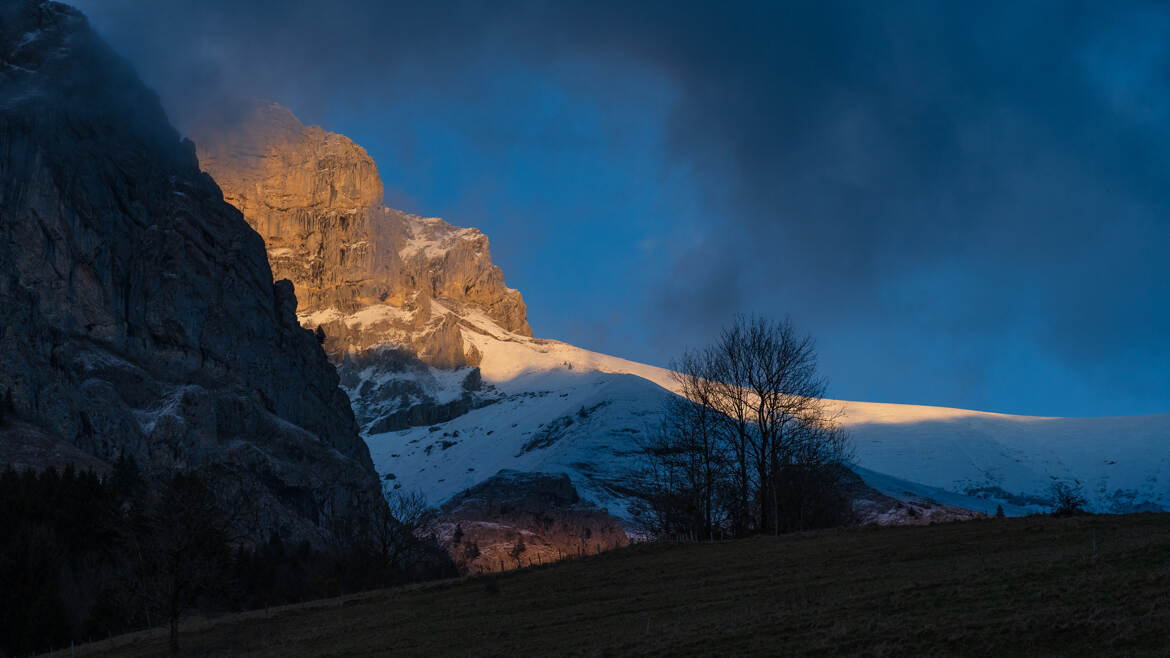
column 84, row 557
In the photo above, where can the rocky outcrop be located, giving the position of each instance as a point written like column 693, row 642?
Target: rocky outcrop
column 392, row 389
column 516, row 519
column 365, row 274
column 140, row 314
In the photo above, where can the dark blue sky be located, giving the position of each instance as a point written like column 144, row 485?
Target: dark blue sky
column 965, row 203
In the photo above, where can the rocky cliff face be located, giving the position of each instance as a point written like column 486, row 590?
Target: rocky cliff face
column 365, row 274
column 140, row 314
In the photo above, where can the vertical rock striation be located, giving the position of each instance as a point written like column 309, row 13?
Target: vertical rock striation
column 140, row 314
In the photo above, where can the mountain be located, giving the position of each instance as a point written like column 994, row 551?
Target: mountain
column 140, row 314
column 451, row 390
column 371, row 278
column 364, row 273
column 563, row 409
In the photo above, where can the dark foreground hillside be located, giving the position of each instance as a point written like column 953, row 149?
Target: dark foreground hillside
column 1037, row 586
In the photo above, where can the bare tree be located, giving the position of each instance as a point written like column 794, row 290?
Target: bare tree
column 750, row 445
column 395, row 525
column 724, row 365
column 410, row 508
column 687, row 461
column 1067, row 498
column 680, row 475
column 384, row 539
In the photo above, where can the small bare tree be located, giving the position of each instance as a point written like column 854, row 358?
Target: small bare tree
column 1067, row 498
column 686, row 469
column 395, row 525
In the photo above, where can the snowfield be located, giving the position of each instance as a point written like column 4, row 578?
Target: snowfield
column 563, row 409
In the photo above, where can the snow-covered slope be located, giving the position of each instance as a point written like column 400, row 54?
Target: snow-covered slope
column 1123, row 463
column 563, row 409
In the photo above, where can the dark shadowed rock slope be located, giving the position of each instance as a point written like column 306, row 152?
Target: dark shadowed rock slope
column 139, row 311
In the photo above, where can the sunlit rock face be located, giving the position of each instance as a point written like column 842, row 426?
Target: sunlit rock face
column 140, row 314
column 365, row 274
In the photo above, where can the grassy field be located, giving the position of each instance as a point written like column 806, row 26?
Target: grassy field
column 1037, row 586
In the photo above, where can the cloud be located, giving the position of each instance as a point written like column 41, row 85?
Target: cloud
column 973, row 181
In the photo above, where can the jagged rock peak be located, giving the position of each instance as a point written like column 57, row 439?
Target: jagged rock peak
column 365, row 273
column 141, row 317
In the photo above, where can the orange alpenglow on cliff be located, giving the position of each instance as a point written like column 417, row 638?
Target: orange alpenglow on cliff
column 366, row 274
